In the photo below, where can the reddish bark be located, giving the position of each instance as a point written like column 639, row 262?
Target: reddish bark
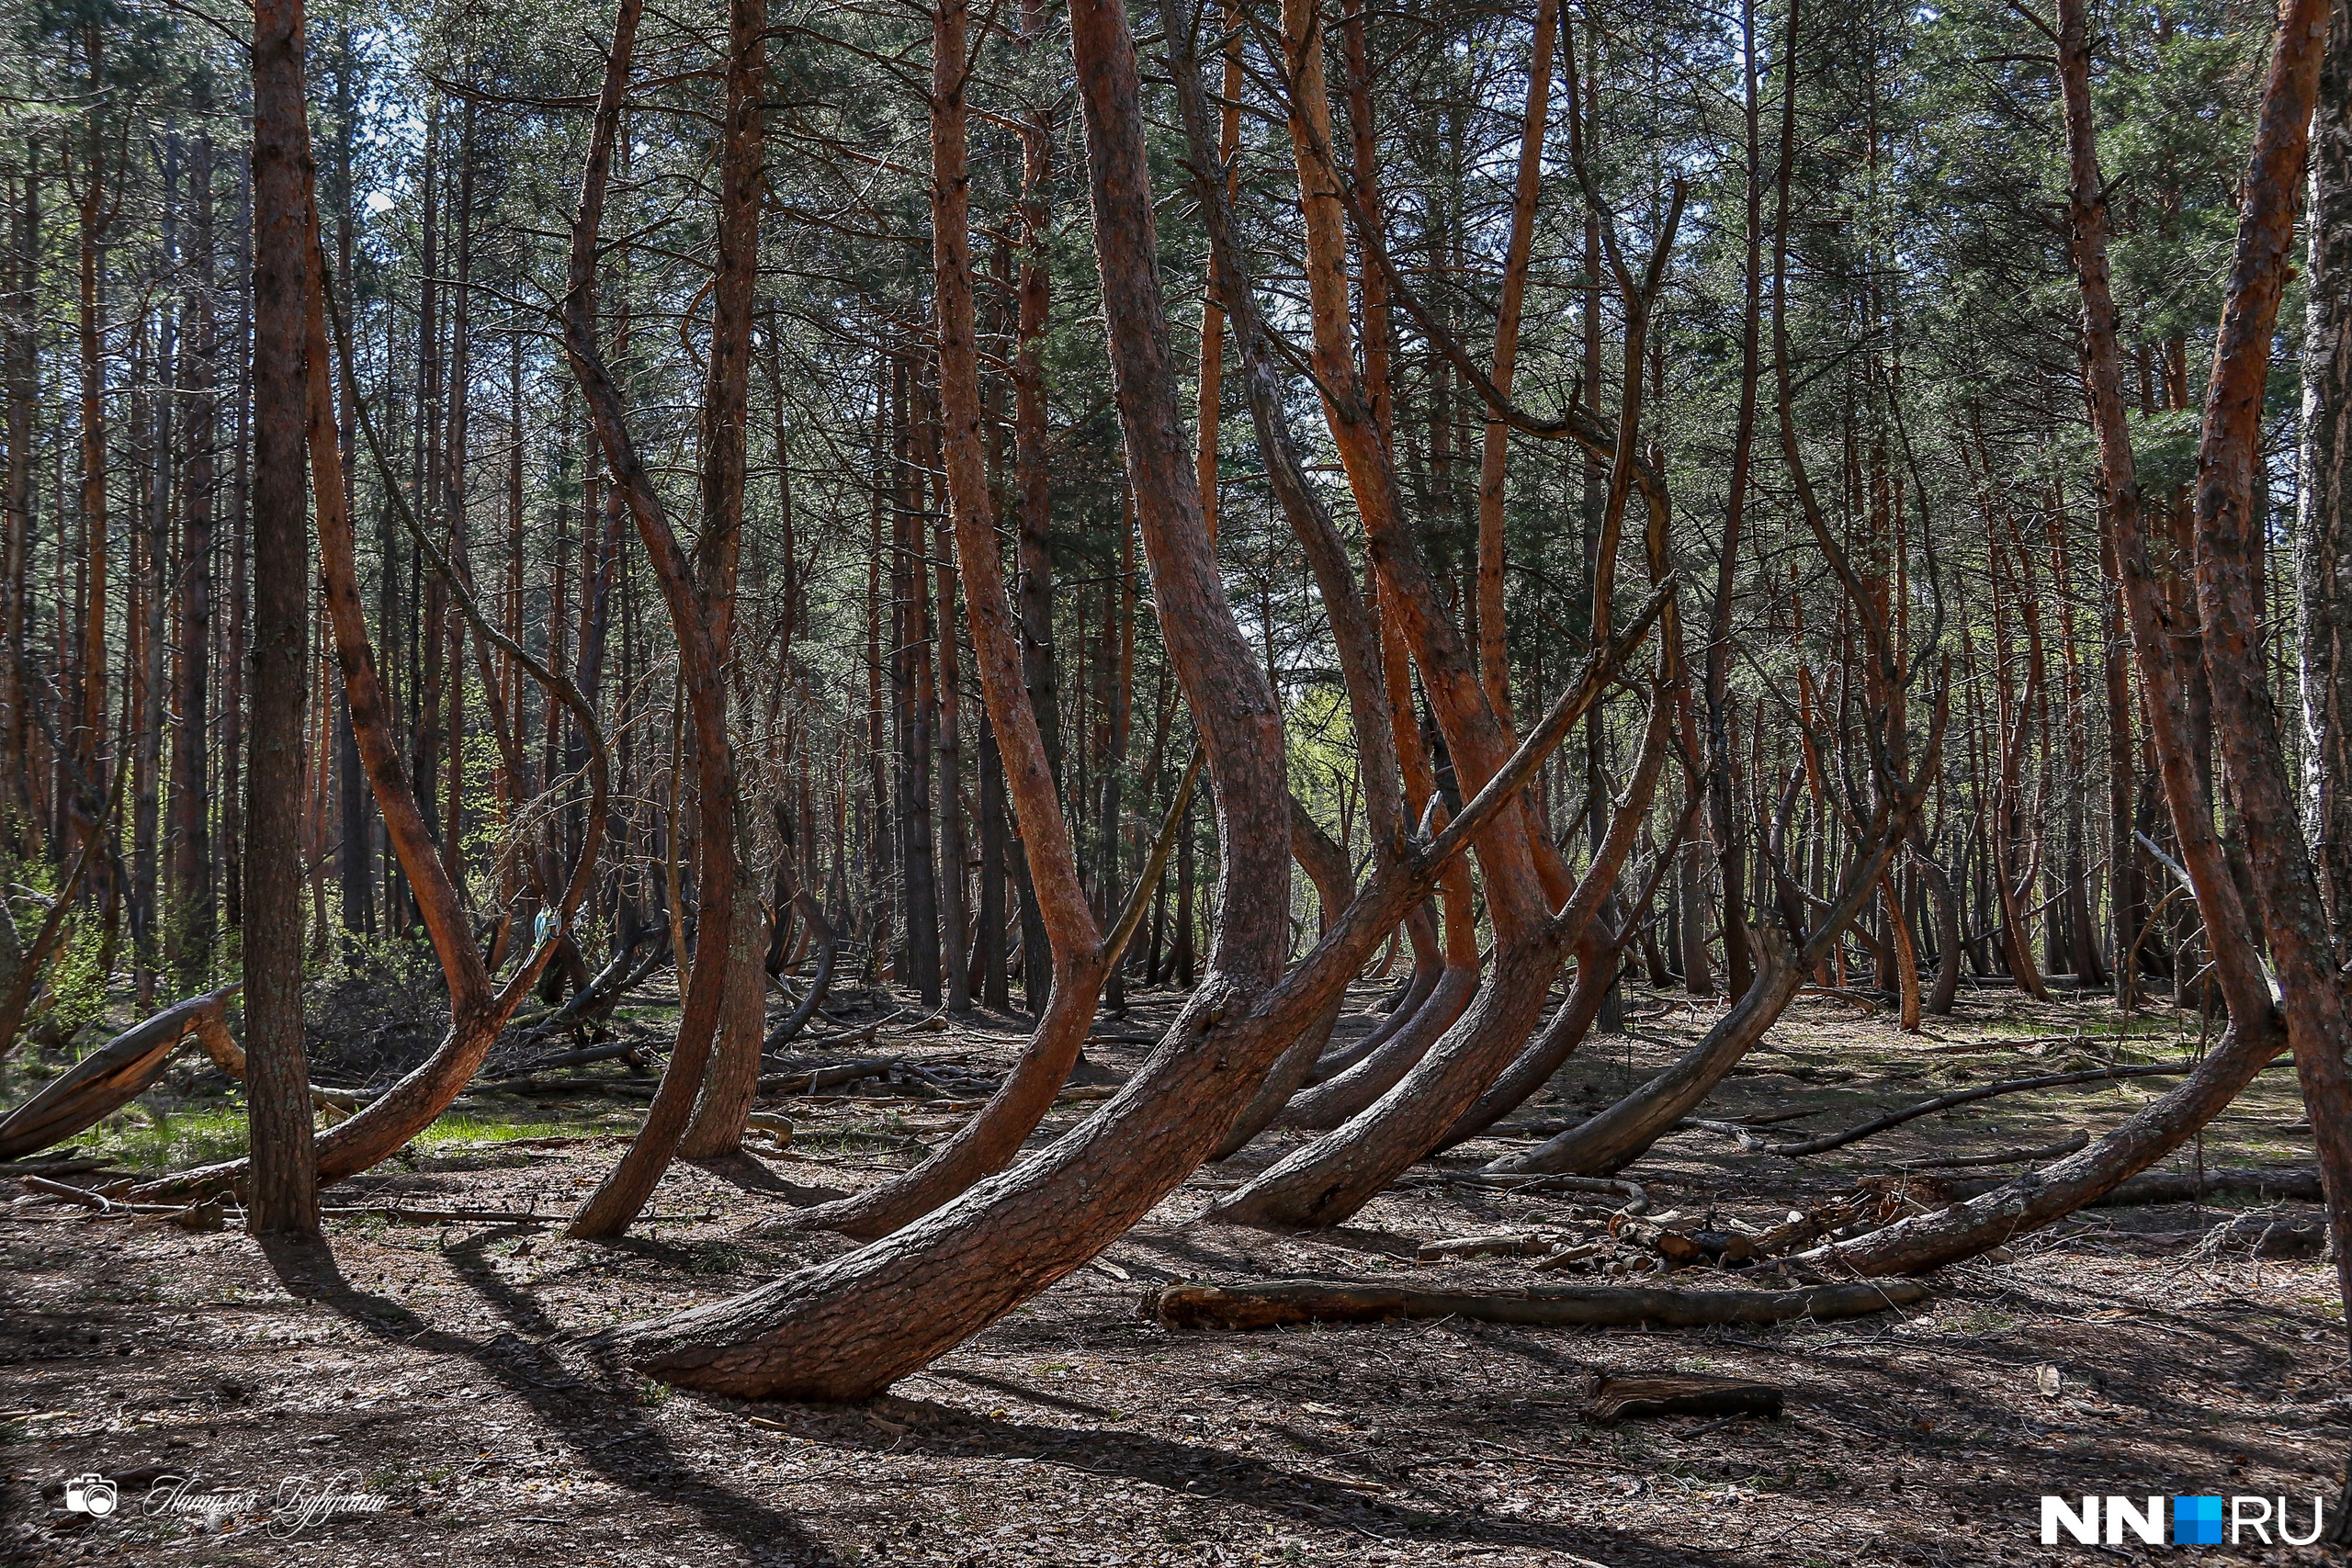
column 283, row 1194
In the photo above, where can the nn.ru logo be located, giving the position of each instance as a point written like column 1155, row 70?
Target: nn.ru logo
column 2196, row 1521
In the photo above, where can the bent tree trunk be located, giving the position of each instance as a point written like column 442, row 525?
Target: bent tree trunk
column 848, row 1327
column 701, row 673
column 2258, row 1029
column 1625, row 1131
column 1331, row 1102
column 989, row 1140
column 2231, row 588
column 1597, row 958
column 1945, row 908
column 1418, row 982
column 1353, row 634
column 1405, row 999
column 1325, row 864
column 1331, row 1178
column 477, row 1012
column 845, row 1329
column 108, row 1078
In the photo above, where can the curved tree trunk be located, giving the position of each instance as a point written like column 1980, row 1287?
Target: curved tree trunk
column 108, row 1078
column 1598, row 957
column 2258, row 1029
column 701, row 675
column 1946, row 910
column 2232, row 585
column 989, row 1140
column 722, row 1110
column 845, row 1329
column 1331, row 1178
column 1621, row 1133
column 1332, row 1102
column 1325, row 864
column 812, row 914
column 848, row 1327
column 1414, row 990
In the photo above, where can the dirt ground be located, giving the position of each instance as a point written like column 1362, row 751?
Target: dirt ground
column 422, row 1367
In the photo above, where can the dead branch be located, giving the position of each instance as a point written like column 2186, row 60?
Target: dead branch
column 1876, row 1124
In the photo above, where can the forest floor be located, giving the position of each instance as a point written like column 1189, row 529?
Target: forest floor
column 2138, row 1351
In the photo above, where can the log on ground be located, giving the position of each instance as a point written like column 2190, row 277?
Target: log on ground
column 1281, row 1302
column 1616, row 1398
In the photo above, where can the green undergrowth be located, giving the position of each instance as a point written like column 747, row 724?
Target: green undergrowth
column 140, row 1138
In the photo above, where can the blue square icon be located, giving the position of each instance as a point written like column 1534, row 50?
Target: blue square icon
column 2197, row 1521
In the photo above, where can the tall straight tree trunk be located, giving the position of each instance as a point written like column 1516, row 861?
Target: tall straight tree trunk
column 1033, row 481
column 233, row 659
column 190, row 805
column 284, row 1188
column 1119, row 672
column 88, row 737
column 995, row 988
column 2323, row 530
column 451, row 630
column 355, row 861
column 19, row 816
column 1730, row 833
column 726, row 1102
column 431, row 602
column 954, row 917
column 477, row 1013
column 918, row 862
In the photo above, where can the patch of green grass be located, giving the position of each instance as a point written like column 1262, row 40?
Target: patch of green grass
column 139, row 1138
column 472, row 1127
column 136, row 1138
column 715, row 1257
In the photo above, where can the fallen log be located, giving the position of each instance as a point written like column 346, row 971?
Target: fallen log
column 1284, row 1302
column 1517, row 1243
column 1631, row 1196
column 580, row 1083
column 108, row 1078
column 1876, row 1124
column 581, row 1057
column 810, row 1080
column 1614, row 1398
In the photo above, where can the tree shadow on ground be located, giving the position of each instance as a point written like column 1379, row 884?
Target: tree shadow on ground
column 750, row 1174
column 640, row 1459
column 949, row 1432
